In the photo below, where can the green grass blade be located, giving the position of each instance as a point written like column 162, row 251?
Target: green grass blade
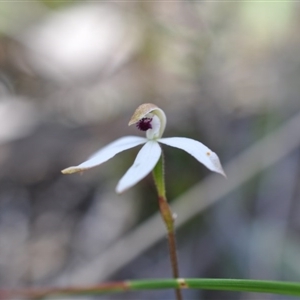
column 246, row 285
column 238, row 285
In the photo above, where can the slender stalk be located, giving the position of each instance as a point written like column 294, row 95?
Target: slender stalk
column 166, row 213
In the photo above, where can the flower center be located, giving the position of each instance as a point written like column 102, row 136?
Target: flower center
column 151, row 119
column 144, row 124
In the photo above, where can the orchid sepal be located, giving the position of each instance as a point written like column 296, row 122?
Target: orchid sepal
column 144, row 163
column 106, row 153
column 198, row 150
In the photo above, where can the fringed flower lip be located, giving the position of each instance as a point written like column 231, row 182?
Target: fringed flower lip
column 151, row 119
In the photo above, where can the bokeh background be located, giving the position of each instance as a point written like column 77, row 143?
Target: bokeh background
column 227, row 73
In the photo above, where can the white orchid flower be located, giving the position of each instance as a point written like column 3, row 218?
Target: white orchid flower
column 150, row 118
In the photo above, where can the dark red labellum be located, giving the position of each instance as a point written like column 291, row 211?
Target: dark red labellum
column 144, row 124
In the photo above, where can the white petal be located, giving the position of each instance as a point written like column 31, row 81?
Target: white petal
column 198, row 150
column 144, row 163
column 106, row 153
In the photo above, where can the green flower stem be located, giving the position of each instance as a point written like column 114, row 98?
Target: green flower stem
column 238, row 285
column 166, row 213
column 159, row 177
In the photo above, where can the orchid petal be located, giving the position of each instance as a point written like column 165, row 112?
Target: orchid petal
column 106, row 153
column 197, row 150
column 144, row 163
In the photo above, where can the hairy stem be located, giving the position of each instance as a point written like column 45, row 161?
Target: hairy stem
column 166, row 213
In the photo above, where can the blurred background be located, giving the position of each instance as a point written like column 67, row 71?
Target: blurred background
column 225, row 73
